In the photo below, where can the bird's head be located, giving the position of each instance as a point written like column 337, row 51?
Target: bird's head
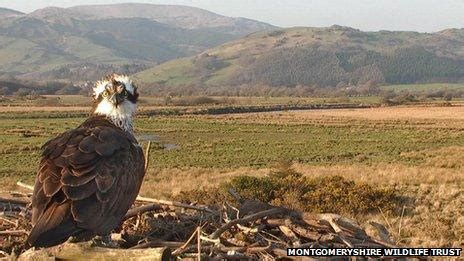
column 115, row 96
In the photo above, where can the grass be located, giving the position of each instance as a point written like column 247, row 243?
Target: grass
column 81, row 102
column 416, row 151
column 425, row 87
column 211, row 143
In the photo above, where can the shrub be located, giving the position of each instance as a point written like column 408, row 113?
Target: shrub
column 286, row 187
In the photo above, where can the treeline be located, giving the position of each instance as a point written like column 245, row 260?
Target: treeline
column 325, row 67
column 395, row 98
column 90, row 71
column 22, row 88
column 201, row 94
column 370, row 88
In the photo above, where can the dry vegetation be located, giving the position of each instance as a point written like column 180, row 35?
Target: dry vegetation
column 416, row 153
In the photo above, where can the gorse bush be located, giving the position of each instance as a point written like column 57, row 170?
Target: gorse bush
column 288, row 188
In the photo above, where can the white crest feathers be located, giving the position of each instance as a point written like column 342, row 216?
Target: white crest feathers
column 101, row 86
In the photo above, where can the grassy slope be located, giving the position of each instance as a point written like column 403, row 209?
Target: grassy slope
column 28, row 44
column 240, row 53
column 23, row 55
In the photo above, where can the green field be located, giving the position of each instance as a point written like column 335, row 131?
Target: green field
column 209, row 142
column 425, row 87
column 417, row 151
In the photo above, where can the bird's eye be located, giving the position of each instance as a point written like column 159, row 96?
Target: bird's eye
column 105, row 94
column 125, row 93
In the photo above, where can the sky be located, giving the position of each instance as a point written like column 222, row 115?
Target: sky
column 367, row 15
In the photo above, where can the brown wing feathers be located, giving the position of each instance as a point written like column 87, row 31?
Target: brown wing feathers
column 87, row 180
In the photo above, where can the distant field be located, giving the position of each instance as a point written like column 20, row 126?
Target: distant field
column 425, row 87
column 80, row 102
column 417, row 150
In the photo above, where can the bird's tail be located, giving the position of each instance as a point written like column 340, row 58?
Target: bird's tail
column 54, row 227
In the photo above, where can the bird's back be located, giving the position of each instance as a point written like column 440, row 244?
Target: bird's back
column 87, row 180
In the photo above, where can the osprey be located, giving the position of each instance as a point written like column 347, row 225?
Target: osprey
column 89, row 176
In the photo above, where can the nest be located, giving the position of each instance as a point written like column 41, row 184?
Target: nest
column 246, row 229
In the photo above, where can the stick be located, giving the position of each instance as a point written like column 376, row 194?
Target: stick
column 142, row 209
column 23, row 185
column 175, row 204
column 199, row 243
column 401, row 221
column 329, row 218
column 13, row 232
column 14, row 201
column 235, row 195
column 8, row 221
column 158, row 243
column 85, row 251
column 147, row 153
column 181, row 249
column 246, row 219
column 290, row 235
column 19, row 194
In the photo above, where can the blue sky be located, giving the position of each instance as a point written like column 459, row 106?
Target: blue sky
column 370, row 15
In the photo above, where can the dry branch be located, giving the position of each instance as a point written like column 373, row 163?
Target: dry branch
column 249, row 218
column 83, row 251
column 158, row 243
column 142, row 209
column 23, row 185
column 14, row 201
column 13, row 232
column 175, row 204
column 182, row 248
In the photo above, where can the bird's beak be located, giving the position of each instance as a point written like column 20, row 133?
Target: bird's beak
column 116, row 99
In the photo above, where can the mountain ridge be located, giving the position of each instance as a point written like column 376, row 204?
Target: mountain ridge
column 7, row 12
column 313, row 56
column 58, row 43
column 175, row 15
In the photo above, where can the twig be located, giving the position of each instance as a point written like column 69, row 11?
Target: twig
column 24, row 185
column 401, row 222
column 345, row 241
column 386, row 220
column 235, row 195
column 329, row 218
column 246, row 219
column 147, row 154
column 199, row 242
column 248, row 230
column 175, row 204
column 13, row 232
column 304, row 232
column 182, row 248
column 207, row 239
column 8, row 221
column 14, row 201
column 142, row 209
column 19, row 194
column 158, row 243
column 290, row 235
column 385, row 244
column 382, row 231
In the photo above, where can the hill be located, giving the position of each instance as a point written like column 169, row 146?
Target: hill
column 5, row 12
column 175, row 15
column 80, row 42
column 320, row 57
